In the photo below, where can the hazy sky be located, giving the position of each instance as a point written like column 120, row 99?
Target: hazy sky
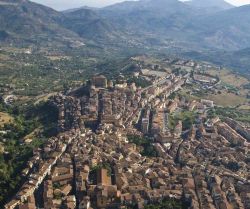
column 66, row 4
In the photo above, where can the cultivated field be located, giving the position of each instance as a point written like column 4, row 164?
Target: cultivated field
column 244, row 107
column 228, row 77
column 227, row 99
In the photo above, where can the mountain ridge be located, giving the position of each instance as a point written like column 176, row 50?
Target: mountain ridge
column 26, row 22
column 157, row 24
column 210, row 6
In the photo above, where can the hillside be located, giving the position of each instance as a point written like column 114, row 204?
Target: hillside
column 88, row 24
column 149, row 16
column 185, row 22
column 228, row 30
column 23, row 23
column 153, row 23
column 237, row 60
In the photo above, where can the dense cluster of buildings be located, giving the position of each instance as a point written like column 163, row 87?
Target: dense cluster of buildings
column 92, row 164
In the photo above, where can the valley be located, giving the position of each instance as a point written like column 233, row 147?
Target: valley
column 187, row 30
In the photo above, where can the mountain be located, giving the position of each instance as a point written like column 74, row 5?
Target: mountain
column 88, row 24
column 79, row 8
column 149, row 14
column 184, row 24
column 210, row 6
column 24, row 22
column 132, row 23
column 162, row 25
column 151, row 21
column 228, row 30
column 211, row 28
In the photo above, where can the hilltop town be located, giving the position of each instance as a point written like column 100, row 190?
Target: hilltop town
column 124, row 146
column 139, row 104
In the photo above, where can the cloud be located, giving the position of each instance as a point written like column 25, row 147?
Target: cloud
column 239, row 2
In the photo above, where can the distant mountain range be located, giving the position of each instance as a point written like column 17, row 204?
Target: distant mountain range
column 197, row 25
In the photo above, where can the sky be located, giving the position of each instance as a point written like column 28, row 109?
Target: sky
column 67, row 4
